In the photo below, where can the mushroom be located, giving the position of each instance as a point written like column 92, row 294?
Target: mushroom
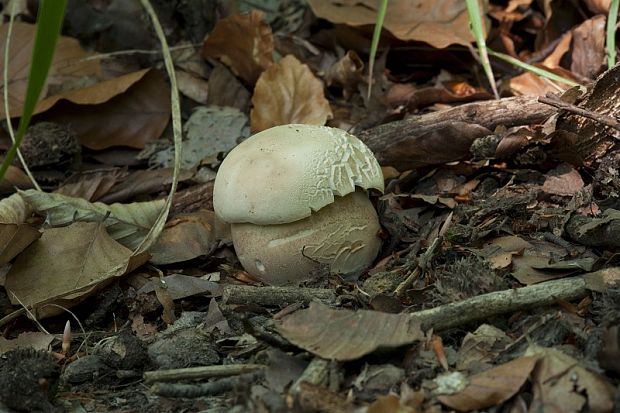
column 295, row 196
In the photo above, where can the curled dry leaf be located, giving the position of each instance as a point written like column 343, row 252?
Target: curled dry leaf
column 439, row 23
column 244, row 43
column 288, row 92
column 129, row 110
column 68, row 63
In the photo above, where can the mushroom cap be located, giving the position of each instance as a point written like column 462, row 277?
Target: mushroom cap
column 284, row 173
column 343, row 235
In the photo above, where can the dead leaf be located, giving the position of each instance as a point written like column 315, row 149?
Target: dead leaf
column 14, row 210
column 14, row 238
column 186, row 237
column 588, row 54
column 182, row 286
column 345, row 334
column 561, row 383
column 69, row 63
column 439, row 23
column 286, row 93
column 244, row 43
column 129, row 110
column 492, row 386
column 91, row 185
column 67, row 263
column 14, row 178
column 35, row 340
column 600, row 280
column 192, row 86
column 563, row 180
column 126, row 223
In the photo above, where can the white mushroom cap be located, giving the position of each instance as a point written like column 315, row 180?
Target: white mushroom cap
column 343, row 235
column 284, row 173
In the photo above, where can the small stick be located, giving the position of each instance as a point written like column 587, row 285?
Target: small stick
column 554, row 101
column 192, row 373
column 274, row 296
column 204, row 389
column 499, row 302
column 316, row 373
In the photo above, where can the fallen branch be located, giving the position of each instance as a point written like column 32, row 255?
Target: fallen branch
column 203, row 372
column 274, row 296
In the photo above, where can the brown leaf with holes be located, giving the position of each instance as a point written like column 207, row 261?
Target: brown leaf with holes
column 129, row 110
column 242, row 42
column 288, row 92
column 439, row 23
column 68, row 65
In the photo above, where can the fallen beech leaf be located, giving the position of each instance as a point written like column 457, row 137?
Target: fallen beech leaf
column 126, row 223
column 192, row 86
column 68, row 63
column 244, row 43
column 14, row 178
column 345, row 334
column 185, row 238
column 14, row 210
column 288, row 92
column 129, row 110
column 561, row 383
column 492, row 386
column 588, row 47
column 563, row 180
column 14, row 238
column 181, row 286
column 28, row 339
column 67, row 263
column 91, row 185
column 439, row 23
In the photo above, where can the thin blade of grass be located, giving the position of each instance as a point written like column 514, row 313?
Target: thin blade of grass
column 376, row 35
column 536, row 70
column 476, row 26
column 49, row 22
column 610, row 41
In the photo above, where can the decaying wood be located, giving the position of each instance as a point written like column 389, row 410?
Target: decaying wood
column 447, row 135
column 274, row 296
column 202, row 372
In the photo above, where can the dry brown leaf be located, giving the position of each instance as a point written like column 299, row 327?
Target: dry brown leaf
column 439, row 23
column 492, row 386
column 67, row 263
column 563, row 180
column 68, row 63
column 345, row 334
column 14, row 178
column 14, row 238
column 185, row 237
column 588, row 56
column 29, row 339
column 192, row 86
column 244, row 43
column 286, row 93
column 125, row 111
column 562, row 384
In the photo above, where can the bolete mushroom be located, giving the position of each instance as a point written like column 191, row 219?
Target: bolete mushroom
column 295, row 196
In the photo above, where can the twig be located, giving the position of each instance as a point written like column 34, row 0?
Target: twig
column 493, row 304
column 554, row 101
column 192, row 373
column 274, row 296
column 316, row 373
column 204, row 389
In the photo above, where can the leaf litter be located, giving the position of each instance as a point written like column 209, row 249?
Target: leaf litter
column 497, row 283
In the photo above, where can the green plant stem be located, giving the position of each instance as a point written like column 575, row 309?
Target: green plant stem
column 477, row 28
column 536, row 70
column 375, row 42
column 610, row 41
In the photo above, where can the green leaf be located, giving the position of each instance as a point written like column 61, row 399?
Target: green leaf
column 49, row 23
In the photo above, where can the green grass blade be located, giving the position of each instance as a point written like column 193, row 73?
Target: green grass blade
column 530, row 68
column 49, row 22
column 375, row 41
column 610, row 42
column 475, row 21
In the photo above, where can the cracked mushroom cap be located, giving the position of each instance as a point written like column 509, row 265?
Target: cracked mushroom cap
column 284, row 173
